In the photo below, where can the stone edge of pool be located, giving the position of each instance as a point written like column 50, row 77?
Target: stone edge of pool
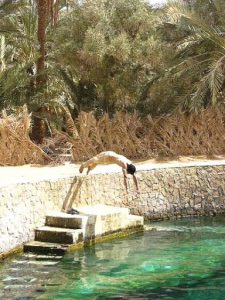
column 88, row 243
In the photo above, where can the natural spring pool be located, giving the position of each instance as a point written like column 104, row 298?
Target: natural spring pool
column 184, row 260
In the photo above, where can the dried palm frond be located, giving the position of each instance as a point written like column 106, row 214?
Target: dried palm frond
column 198, row 133
column 16, row 148
column 195, row 134
column 69, row 124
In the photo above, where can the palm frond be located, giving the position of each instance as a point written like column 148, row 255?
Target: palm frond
column 195, row 23
column 216, row 79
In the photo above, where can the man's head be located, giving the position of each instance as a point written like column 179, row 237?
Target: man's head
column 131, row 169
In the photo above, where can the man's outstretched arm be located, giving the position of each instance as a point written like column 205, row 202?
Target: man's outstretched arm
column 125, row 180
column 136, row 183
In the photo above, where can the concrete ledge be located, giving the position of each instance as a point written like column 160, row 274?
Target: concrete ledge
column 32, row 173
column 107, row 237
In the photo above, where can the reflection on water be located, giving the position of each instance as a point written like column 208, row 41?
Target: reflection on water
column 185, row 259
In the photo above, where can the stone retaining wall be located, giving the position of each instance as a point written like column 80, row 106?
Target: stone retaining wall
column 165, row 193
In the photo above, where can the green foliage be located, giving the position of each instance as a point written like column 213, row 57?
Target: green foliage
column 107, row 55
column 112, row 47
column 18, row 30
column 201, row 53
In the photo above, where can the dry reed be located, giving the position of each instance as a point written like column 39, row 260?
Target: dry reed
column 200, row 133
column 16, row 148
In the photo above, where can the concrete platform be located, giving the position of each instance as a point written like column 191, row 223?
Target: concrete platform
column 103, row 210
column 104, row 219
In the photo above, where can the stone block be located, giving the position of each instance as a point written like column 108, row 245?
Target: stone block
column 135, row 221
column 44, row 247
column 105, row 218
column 64, row 220
column 58, row 235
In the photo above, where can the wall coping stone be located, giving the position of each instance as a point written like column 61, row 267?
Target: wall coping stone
column 32, row 174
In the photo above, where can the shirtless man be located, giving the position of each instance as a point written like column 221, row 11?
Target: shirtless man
column 111, row 157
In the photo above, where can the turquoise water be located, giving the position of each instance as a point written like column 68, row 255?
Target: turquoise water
column 185, row 259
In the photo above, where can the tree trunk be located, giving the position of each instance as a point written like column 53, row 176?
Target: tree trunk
column 43, row 9
column 38, row 128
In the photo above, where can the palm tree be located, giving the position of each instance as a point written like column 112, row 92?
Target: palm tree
column 23, row 60
column 201, row 53
column 47, row 11
column 18, row 53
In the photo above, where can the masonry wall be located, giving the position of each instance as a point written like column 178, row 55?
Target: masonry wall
column 165, row 193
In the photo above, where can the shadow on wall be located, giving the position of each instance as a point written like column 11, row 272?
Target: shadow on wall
column 72, row 193
column 91, row 223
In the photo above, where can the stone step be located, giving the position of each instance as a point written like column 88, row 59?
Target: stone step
column 103, row 210
column 64, row 220
column 135, row 221
column 45, row 248
column 63, row 231
column 58, row 235
column 35, row 262
column 41, row 256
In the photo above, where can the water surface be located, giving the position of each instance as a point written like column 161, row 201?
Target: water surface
column 185, row 259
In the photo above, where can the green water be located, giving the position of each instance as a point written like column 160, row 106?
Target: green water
column 184, row 260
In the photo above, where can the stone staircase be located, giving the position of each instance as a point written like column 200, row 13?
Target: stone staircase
column 64, row 232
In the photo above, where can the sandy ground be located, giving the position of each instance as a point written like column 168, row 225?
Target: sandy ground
column 33, row 173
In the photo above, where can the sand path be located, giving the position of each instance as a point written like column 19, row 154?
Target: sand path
column 33, row 173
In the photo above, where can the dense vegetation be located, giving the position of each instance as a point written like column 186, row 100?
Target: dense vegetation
column 63, row 57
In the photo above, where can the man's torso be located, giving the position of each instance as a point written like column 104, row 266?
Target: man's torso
column 111, row 157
